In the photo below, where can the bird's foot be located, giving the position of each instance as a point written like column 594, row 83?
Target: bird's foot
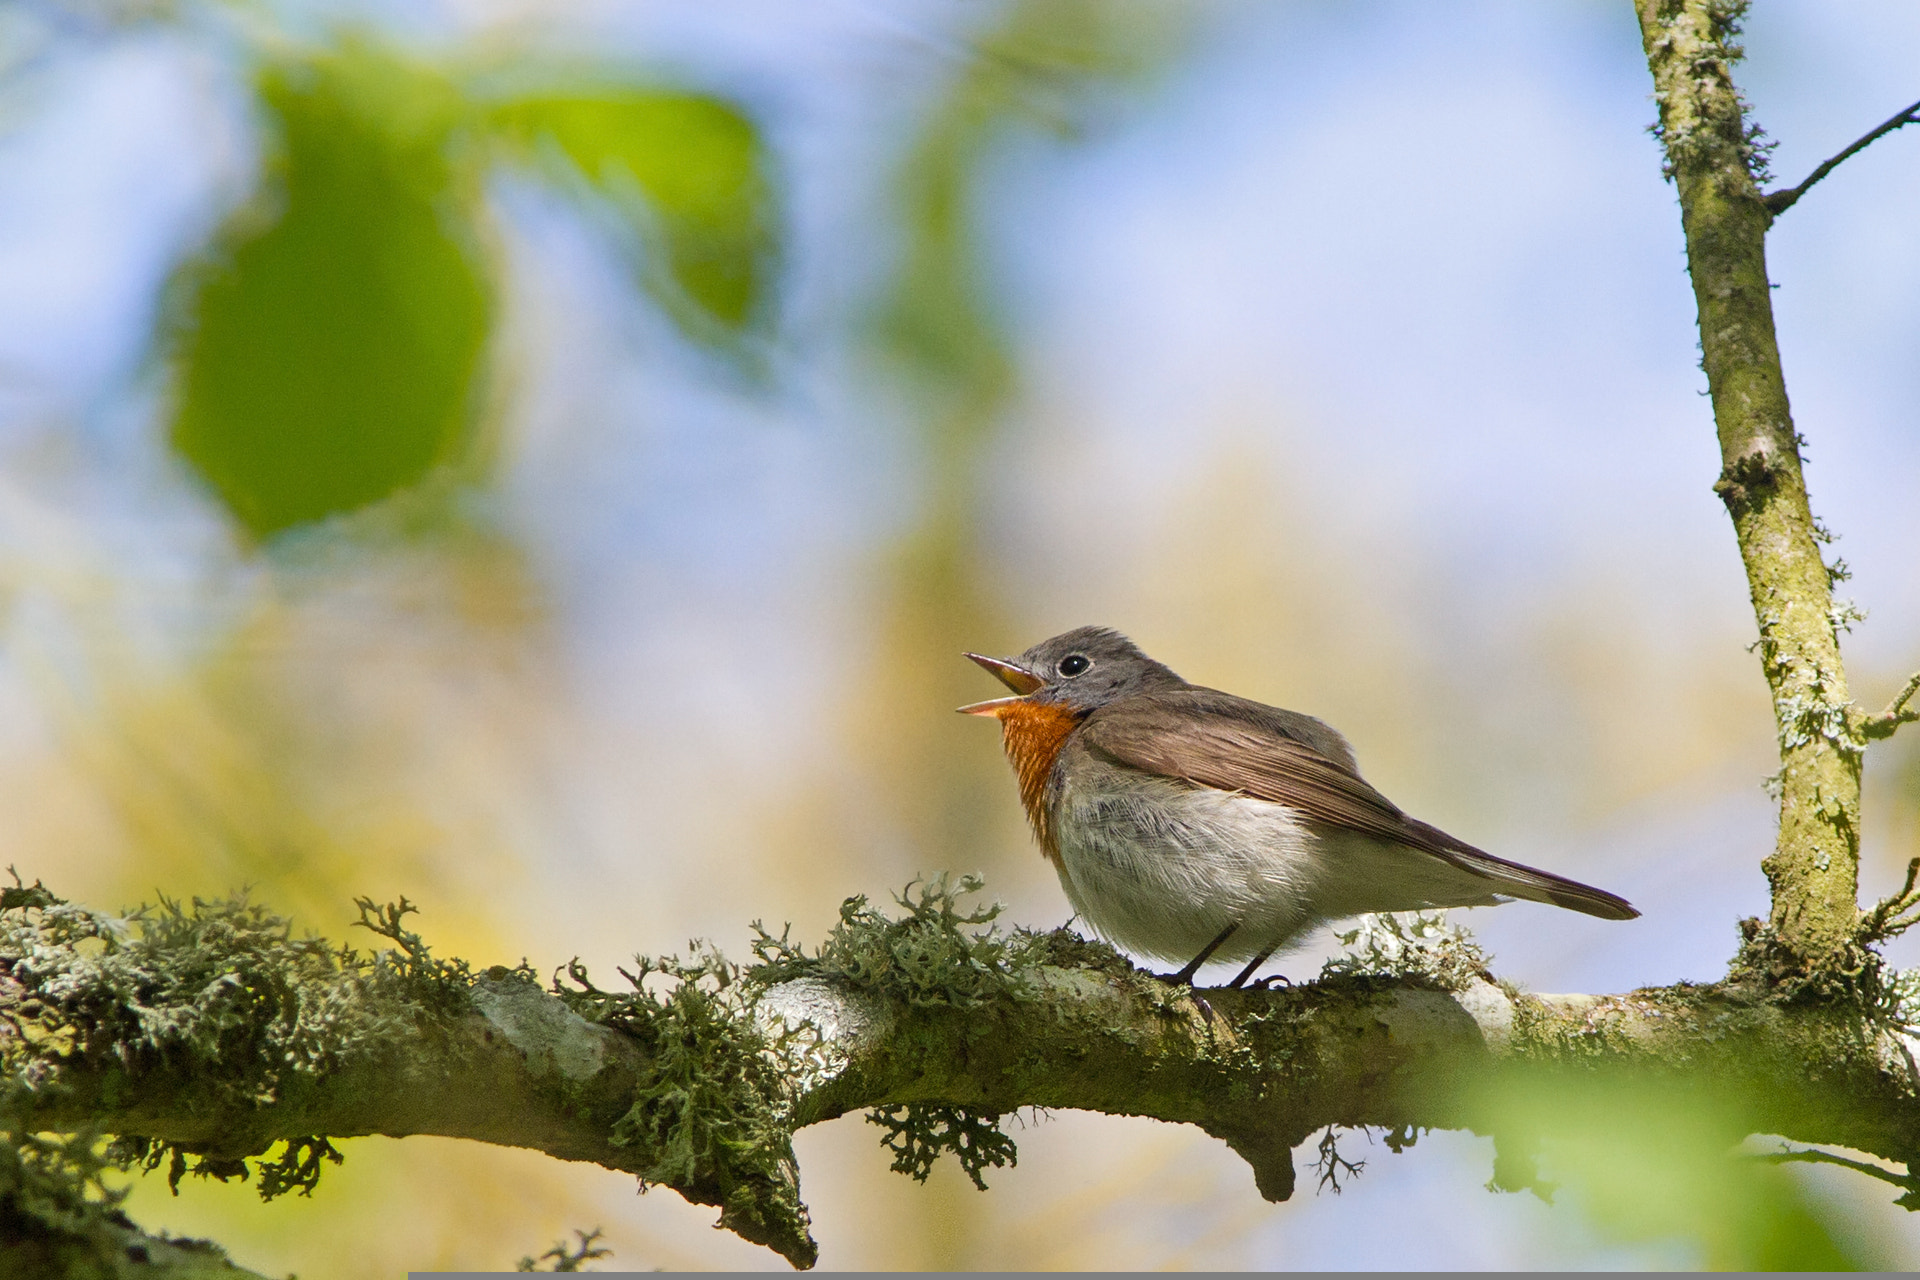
column 1185, row 979
column 1185, row 976
column 1253, row 966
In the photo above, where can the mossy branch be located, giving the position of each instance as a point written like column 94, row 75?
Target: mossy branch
column 210, row 1033
column 1716, row 158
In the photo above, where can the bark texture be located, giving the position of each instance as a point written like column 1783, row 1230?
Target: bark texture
column 1715, row 160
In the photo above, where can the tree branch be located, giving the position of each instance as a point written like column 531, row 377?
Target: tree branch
column 1712, row 156
column 1778, row 202
column 1897, row 712
column 1893, row 915
column 1905, row 1181
column 205, row 1035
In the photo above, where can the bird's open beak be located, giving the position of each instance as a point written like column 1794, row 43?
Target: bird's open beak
column 1012, row 675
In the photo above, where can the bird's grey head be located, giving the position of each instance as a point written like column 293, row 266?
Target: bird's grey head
column 1083, row 669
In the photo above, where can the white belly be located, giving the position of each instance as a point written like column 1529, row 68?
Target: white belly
column 1162, row 867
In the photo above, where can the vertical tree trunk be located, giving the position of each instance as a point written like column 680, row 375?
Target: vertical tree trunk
column 1714, row 162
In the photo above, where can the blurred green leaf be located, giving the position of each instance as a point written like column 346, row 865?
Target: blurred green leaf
column 1647, row 1163
column 701, row 172
column 333, row 334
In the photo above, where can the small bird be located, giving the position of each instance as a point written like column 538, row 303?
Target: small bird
column 1189, row 824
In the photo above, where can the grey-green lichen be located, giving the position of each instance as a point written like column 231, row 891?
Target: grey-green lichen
column 1716, row 159
column 569, row 1257
column 1704, row 38
column 712, row 1114
column 919, row 1132
column 60, row 1217
column 222, row 999
column 217, row 993
column 1409, row 945
column 940, row 953
column 933, row 1018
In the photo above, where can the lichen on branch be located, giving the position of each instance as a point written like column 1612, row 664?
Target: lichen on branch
column 1716, row 158
column 711, row 1110
column 191, row 1033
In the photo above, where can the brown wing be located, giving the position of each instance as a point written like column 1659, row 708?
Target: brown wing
column 1179, row 737
column 1230, row 744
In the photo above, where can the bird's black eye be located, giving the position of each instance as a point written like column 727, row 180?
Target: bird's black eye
column 1073, row 664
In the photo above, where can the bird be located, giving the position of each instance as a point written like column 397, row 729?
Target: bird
column 1188, row 824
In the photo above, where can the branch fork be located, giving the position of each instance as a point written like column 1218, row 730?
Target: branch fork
column 1778, row 202
column 1894, row 914
column 1898, row 712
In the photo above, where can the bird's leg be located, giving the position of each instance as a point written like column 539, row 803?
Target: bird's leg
column 1247, row 972
column 1184, row 978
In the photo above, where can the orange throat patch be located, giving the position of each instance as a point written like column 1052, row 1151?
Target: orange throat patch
column 1033, row 733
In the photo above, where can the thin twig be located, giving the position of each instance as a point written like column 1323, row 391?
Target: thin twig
column 1778, row 202
column 1897, row 712
column 1905, row 1181
column 1331, row 1164
column 1884, row 920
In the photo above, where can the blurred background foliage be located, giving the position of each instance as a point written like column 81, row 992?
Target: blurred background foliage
column 545, row 461
column 332, row 335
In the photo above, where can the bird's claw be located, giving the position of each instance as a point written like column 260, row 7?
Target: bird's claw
column 1186, row 980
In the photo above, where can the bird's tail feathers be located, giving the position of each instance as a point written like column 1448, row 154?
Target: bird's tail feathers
column 1531, row 883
